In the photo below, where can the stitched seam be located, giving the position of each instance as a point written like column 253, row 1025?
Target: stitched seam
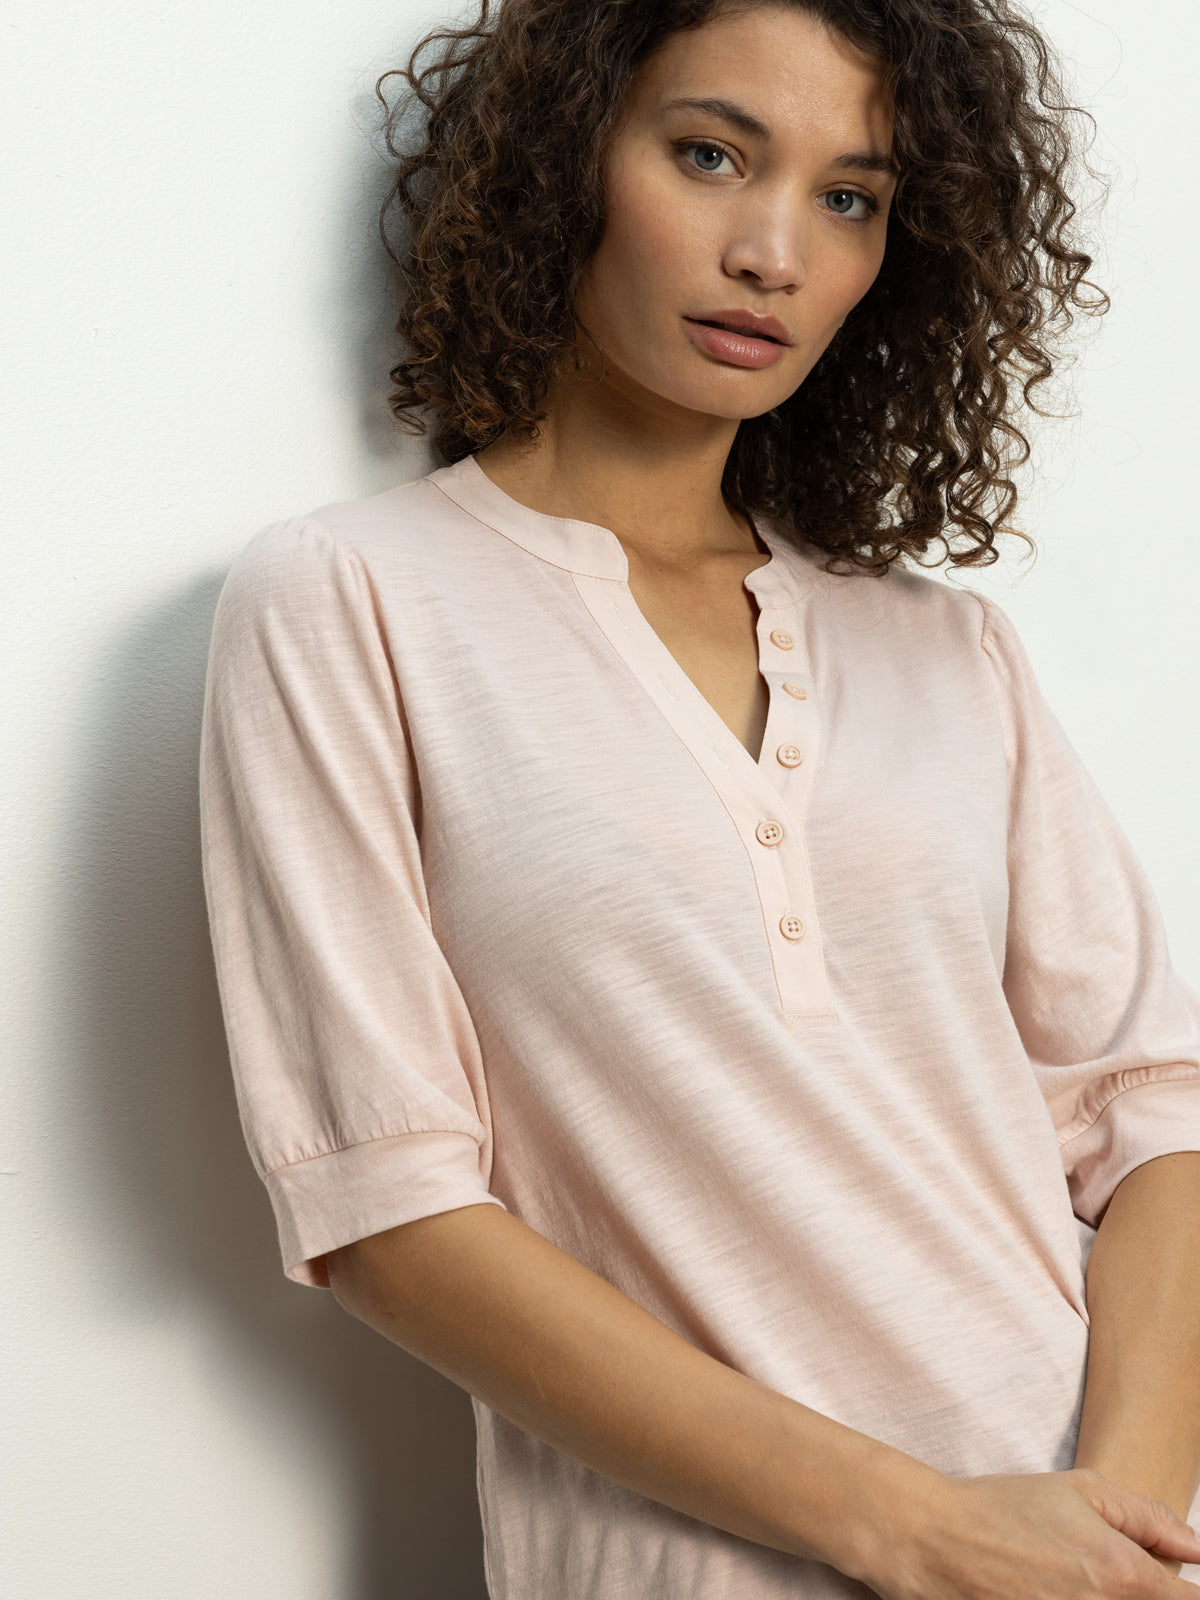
column 1149, row 1075
column 358, row 1144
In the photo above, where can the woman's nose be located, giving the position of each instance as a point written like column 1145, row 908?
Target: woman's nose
column 770, row 248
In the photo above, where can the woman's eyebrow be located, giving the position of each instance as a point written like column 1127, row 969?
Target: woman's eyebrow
column 753, row 128
column 867, row 161
column 726, row 110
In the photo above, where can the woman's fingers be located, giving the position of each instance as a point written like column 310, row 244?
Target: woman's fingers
column 1150, row 1523
column 1169, row 1567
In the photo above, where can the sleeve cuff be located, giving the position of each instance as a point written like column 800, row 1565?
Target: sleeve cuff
column 1153, row 1118
column 331, row 1200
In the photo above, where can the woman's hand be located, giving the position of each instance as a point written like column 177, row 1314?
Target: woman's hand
column 1041, row 1536
column 1169, row 1566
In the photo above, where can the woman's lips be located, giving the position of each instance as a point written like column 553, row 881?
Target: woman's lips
column 738, row 349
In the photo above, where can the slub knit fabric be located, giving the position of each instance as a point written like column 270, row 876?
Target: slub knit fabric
column 823, row 1058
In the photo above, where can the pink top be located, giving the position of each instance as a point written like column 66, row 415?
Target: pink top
column 818, row 1057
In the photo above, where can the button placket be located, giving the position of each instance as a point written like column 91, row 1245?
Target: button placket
column 790, row 748
column 760, row 797
column 784, row 878
column 776, row 664
column 791, row 736
column 779, row 858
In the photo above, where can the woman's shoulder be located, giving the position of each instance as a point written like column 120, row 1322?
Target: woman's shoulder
column 296, row 557
column 407, row 512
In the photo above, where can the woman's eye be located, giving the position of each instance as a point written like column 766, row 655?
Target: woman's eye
column 705, row 157
column 843, row 200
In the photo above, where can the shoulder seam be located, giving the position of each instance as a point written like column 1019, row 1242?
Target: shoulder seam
column 985, row 614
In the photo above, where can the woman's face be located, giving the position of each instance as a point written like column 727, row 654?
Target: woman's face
column 768, row 194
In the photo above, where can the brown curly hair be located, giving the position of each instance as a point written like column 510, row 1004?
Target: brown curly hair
column 904, row 428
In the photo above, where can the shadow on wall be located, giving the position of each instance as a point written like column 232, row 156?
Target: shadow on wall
column 163, row 1187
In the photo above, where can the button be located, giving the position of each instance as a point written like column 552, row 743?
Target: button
column 768, row 832
column 797, row 689
column 791, row 927
column 789, row 755
column 782, row 638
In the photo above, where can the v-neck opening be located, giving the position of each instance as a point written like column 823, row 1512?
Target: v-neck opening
column 720, row 733
column 590, row 550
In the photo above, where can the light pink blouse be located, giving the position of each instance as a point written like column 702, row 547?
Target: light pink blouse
column 817, row 1056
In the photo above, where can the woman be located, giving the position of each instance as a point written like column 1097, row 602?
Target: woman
column 680, row 981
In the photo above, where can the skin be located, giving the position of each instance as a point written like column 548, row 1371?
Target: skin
column 769, row 228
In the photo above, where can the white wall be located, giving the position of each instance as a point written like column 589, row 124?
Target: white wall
column 194, row 338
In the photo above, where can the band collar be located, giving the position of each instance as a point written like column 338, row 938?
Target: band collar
column 586, row 547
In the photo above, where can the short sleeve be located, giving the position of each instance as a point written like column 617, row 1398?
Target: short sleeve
column 355, row 1062
column 1111, row 1029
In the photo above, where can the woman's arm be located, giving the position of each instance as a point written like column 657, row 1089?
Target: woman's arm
column 528, row 1329
column 1141, row 1410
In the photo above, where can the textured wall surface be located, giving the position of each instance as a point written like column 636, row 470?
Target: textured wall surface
column 195, row 331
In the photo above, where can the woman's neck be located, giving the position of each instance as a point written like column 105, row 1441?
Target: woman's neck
column 657, row 486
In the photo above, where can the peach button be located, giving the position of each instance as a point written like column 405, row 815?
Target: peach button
column 789, row 755
column 768, row 832
column 791, row 927
column 782, row 638
column 797, row 689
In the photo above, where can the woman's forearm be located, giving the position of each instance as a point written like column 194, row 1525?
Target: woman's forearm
column 1140, row 1424
column 555, row 1348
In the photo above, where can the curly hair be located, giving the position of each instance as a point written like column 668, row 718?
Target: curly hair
column 905, row 431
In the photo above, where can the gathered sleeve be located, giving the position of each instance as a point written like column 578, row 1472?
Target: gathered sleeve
column 355, row 1062
column 1111, row 1029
